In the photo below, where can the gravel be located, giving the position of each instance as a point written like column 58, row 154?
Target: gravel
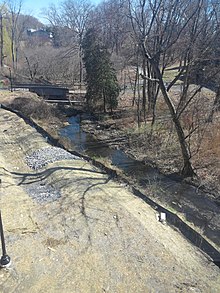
column 42, row 157
column 42, row 192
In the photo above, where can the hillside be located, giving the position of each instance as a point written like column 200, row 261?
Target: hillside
column 70, row 228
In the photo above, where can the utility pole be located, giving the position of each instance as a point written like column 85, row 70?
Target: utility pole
column 1, row 45
column 5, row 259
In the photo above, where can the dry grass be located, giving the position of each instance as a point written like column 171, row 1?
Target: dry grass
column 170, row 74
column 207, row 159
column 34, row 107
column 158, row 146
column 161, row 147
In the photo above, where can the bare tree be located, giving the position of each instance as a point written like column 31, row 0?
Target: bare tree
column 14, row 10
column 71, row 17
column 139, row 14
column 3, row 12
column 112, row 24
column 160, row 26
column 43, row 63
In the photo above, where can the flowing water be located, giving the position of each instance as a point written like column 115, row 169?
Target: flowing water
column 196, row 206
column 87, row 144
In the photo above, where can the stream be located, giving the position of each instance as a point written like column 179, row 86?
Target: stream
column 198, row 208
column 85, row 143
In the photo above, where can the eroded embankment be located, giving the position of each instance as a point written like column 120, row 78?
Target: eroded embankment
column 172, row 218
column 198, row 209
column 96, row 237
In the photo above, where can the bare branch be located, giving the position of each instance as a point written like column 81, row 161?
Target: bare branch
column 148, row 78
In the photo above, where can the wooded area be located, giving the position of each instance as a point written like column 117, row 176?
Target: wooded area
column 158, row 57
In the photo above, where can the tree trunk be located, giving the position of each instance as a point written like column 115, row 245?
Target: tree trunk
column 216, row 105
column 152, row 90
column 104, row 102
column 187, row 170
column 135, row 86
column 1, row 45
column 12, row 51
column 144, row 97
column 80, row 63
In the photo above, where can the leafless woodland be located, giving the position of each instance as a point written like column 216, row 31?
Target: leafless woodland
column 167, row 57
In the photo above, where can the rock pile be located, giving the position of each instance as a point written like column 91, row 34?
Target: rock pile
column 42, row 157
column 42, row 192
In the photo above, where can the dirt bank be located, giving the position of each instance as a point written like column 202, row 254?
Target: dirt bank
column 97, row 237
column 196, row 207
column 160, row 148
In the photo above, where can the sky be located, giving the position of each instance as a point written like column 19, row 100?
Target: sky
column 35, row 7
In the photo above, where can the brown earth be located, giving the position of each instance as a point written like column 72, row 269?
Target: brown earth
column 98, row 237
column 160, row 148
